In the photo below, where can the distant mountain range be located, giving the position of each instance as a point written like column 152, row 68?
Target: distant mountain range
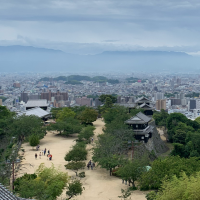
column 28, row 58
column 75, row 79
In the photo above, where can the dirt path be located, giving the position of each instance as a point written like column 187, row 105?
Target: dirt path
column 162, row 136
column 98, row 184
column 58, row 146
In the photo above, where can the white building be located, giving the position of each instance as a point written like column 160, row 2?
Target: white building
column 158, row 96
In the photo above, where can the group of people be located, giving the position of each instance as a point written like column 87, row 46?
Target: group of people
column 91, row 165
column 43, row 152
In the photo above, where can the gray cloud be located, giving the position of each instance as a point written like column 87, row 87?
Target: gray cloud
column 98, row 25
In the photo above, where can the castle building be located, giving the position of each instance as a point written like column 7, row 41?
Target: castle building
column 140, row 125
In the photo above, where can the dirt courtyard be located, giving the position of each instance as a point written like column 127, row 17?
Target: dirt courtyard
column 99, row 185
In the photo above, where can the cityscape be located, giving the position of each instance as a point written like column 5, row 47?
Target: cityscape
column 171, row 92
column 99, row 100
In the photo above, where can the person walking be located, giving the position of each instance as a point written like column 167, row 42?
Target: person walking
column 92, row 140
column 40, row 155
column 90, row 162
column 35, row 155
column 42, row 152
column 91, row 166
column 88, row 166
column 48, row 151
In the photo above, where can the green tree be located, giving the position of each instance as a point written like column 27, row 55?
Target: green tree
column 135, row 111
column 103, row 97
column 86, row 133
column 65, row 113
column 125, row 194
column 160, row 118
column 167, row 167
column 77, row 153
column 48, row 185
column 109, row 150
column 6, row 119
column 88, row 116
column 75, row 166
column 117, row 112
column 108, row 103
column 179, row 137
column 34, row 140
column 151, row 195
column 133, row 169
column 197, row 120
column 179, row 150
column 183, row 187
column 4, row 112
column 24, row 177
column 75, row 188
column 54, row 112
column 174, row 118
column 67, row 126
column 78, row 109
column 24, row 126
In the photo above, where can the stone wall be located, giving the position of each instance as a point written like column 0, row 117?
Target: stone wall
column 154, row 147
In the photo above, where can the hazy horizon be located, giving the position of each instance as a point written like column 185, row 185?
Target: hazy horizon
column 85, row 29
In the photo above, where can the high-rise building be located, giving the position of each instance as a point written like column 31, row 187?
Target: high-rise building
column 192, row 104
column 33, row 96
column 84, row 101
column 119, row 99
column 48, row 95
column 197, row 103
column 161, row 104
column 97, row 102
column 175, row 102
column 24, row 97
column 183, row 102
column 16, row 85
column 158, row 96
column 182, row 95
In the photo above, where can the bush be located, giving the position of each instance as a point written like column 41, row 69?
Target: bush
column 168, row 167
column 184, row 187
column 151, row 195
column 81, row 175
column 34, row 140
column 23, row 178
column 77, row 153
column 75, row 166
column 86, row 134
column 75, row 188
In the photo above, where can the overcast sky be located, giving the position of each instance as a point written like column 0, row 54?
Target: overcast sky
column 92, row 26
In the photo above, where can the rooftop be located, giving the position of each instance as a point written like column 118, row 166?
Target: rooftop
column 139, row 118
column 39, row 112
column 37, row 103
column 5, row 194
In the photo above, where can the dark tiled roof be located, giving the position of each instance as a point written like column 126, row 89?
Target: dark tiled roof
column 149, row 129
column 142, row 99
column 127, row 105
column 143, row 117
column 5, row 194
column 139, row 118
column 145, row 105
